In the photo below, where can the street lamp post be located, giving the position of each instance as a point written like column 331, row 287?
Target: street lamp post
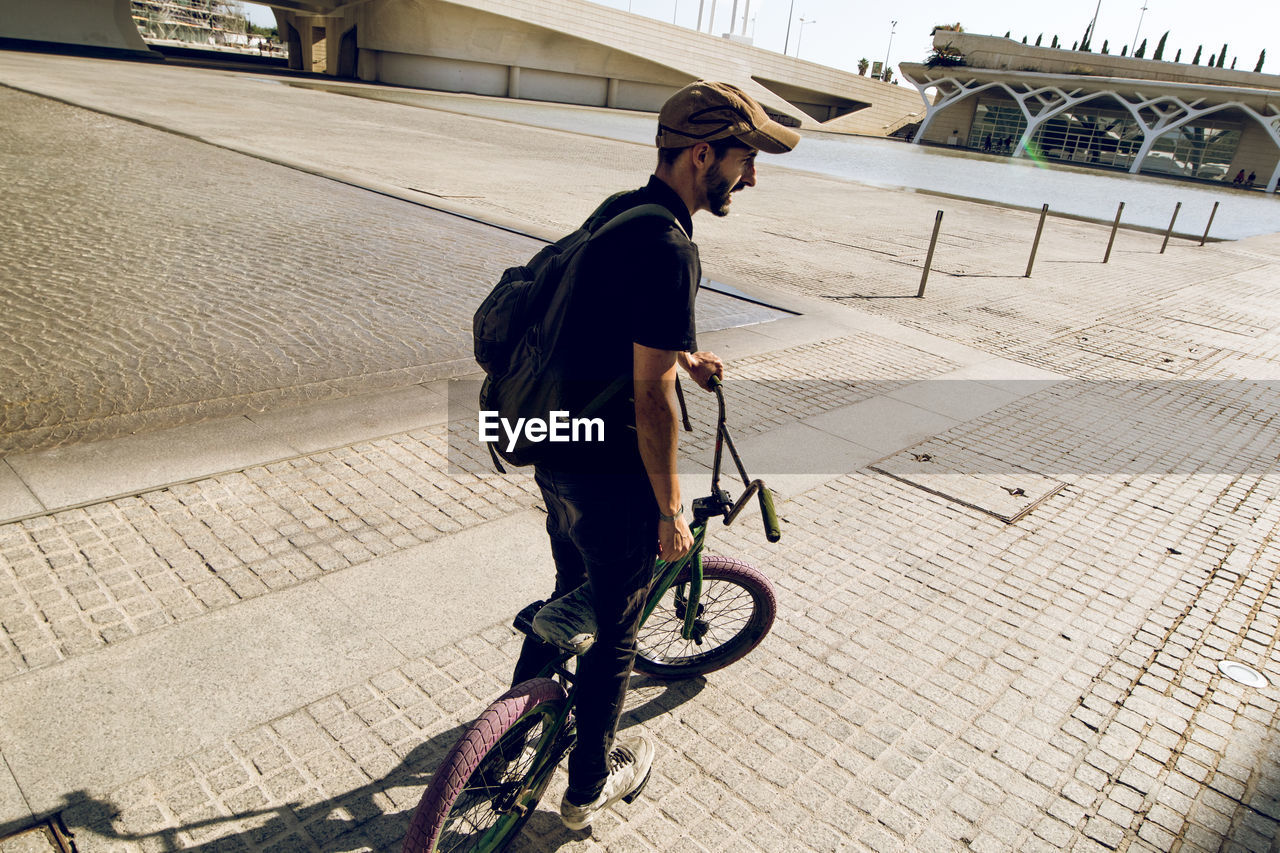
column 884, row 71
column 1139, row 29
column 1093, row 25
column 786, row 45
column 800, row 37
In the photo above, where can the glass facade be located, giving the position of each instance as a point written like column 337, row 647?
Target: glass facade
column 1103, row 133
column 997, row 126
column 1204, row 149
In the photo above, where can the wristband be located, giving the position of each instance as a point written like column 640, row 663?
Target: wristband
column 679, row 512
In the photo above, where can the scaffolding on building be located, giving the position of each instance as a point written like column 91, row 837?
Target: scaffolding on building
column 215, row 22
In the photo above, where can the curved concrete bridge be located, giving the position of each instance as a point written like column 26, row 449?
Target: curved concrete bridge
column 569, row 51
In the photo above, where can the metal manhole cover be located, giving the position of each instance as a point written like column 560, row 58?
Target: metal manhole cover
column 1242, row 674
column 971, row 479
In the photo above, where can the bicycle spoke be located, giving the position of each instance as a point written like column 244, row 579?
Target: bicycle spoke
column 726, row 609
column 474, row 812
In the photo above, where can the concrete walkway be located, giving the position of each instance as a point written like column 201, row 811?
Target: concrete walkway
column 261, row 630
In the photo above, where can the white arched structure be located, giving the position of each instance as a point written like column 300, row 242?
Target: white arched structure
column 1043, row 83
column 1042, row 101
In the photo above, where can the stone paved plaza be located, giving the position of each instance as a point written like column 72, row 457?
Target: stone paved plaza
column 276, row 655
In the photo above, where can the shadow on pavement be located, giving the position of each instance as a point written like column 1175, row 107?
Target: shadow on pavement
column 374, row 816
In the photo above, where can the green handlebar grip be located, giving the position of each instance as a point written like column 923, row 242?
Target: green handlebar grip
column 771, row 530
column 712, row 382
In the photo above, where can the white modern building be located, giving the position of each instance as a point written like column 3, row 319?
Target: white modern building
column 570, row 51
column 1161, row 118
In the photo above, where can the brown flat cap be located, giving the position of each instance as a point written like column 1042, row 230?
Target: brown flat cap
column 705, row 111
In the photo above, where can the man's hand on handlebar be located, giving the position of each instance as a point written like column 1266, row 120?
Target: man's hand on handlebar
column 674, row 539
column 702, row 366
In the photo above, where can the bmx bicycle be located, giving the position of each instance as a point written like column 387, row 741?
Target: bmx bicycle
column 702, row 614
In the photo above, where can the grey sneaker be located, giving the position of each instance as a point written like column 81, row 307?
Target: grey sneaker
column 629, row 763
column 568, row 622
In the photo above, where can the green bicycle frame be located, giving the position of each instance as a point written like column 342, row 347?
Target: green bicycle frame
column 665, row 574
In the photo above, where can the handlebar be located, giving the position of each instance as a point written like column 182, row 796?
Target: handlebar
column 720, row 499
column 772, row 531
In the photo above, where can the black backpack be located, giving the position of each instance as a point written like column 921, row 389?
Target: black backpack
column 516, row 330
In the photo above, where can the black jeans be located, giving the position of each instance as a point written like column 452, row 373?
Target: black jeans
column 604, row 531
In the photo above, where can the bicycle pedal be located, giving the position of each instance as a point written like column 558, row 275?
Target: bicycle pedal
column 631, row 798
column 524, row 619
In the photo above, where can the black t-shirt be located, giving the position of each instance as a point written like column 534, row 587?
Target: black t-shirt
column 635, row 284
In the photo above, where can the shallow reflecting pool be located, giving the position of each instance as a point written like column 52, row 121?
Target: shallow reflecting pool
column 1149, row 201
column 1094, row 194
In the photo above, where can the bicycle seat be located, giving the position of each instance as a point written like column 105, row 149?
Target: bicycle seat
column 568, row 623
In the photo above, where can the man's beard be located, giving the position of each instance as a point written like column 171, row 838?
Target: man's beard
column 719, row 192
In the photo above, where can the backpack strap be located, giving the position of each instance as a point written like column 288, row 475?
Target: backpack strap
column 642, row 211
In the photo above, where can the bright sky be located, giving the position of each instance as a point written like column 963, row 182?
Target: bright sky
column 844, row 31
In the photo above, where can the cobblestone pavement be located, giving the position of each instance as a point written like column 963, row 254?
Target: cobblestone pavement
column 937, row 679
column 74, row 581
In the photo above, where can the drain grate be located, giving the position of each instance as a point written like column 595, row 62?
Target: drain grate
column 971, row 479
column 48, row 837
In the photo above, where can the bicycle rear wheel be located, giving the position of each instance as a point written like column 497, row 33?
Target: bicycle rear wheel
column 735, row 611
column 486, row 788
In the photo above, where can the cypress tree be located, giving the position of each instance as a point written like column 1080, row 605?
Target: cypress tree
column 1055, row 42
column 1178, row 58
column 1142, row 49
column 1105, row 46
column 1262, row 57
column 1195, row 60
column 1038, row 38
column 1159, row 54
column 1222, row 57
column 1124, row 51
column 1024, row 39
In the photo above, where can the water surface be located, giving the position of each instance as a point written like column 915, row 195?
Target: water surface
column 1149, row 201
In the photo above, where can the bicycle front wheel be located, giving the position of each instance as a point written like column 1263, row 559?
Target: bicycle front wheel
column 735, row 611
column 489, row 783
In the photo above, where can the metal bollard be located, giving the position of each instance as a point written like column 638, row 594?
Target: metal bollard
column 1212, row 214
column 1044, row 211
column 1115, row 225
column 1176, row 208
column 928, row 260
